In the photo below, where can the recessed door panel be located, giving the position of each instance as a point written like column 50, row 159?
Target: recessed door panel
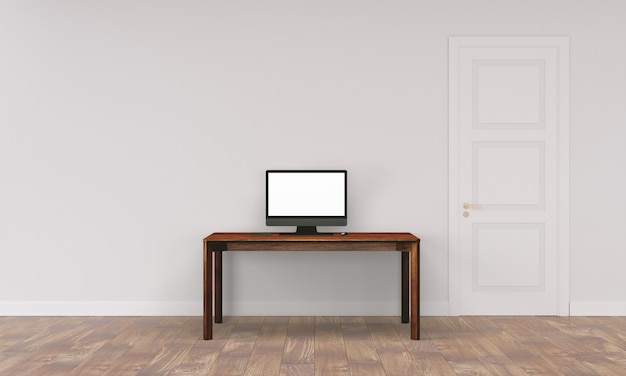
column 508, row 94
column 508, row 256
column 508, row 174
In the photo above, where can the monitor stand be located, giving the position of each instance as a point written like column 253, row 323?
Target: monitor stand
column 304, row 230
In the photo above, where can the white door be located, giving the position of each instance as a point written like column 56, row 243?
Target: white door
column 508, row 175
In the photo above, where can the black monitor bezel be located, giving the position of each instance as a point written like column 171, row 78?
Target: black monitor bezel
column 308, row 220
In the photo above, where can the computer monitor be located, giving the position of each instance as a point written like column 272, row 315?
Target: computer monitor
column 306, row 199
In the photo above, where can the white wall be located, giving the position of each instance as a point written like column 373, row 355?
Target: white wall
column 132, row 129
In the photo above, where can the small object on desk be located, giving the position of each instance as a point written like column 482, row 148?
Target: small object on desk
column 344, row 233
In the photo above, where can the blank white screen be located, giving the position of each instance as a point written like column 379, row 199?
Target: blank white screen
column 306, row 194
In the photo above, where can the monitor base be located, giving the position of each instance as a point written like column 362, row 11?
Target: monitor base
column 304, row 230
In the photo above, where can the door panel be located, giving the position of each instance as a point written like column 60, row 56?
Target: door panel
column 507, row 100
column 508, row 255
column 508, row 175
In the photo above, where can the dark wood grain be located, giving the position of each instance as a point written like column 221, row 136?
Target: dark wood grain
column 405, row 243
column 306, row 346
column 335, row 237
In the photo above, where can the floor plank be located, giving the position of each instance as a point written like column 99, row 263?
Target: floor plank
column 267, row 354
column 234, row 357
column 299, row 350
column 330, row 351
column 394, row 356
column 360, row 349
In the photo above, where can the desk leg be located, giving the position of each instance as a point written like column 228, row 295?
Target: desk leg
column 405, row 287
column 218, row 287
column 415, row 290
column 208, row 292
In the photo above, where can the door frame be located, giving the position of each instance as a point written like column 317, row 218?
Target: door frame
column 561, row 44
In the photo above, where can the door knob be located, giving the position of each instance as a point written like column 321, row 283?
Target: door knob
column 466, row 206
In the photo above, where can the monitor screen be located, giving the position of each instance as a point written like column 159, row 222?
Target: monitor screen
column 306, row 198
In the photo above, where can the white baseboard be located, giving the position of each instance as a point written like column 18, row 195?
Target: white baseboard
column 435, row 308
column 101, row 308
column 194, row 308
column 598, row 308
column 311, row 308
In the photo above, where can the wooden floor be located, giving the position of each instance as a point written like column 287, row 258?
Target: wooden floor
column 303, row 346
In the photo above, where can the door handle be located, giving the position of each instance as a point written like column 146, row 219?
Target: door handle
column 469, row 206
column 466, row 207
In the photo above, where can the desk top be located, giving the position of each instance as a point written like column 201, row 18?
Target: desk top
column 326, row 237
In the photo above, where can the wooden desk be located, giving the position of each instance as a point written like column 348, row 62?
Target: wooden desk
column 404, row 242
